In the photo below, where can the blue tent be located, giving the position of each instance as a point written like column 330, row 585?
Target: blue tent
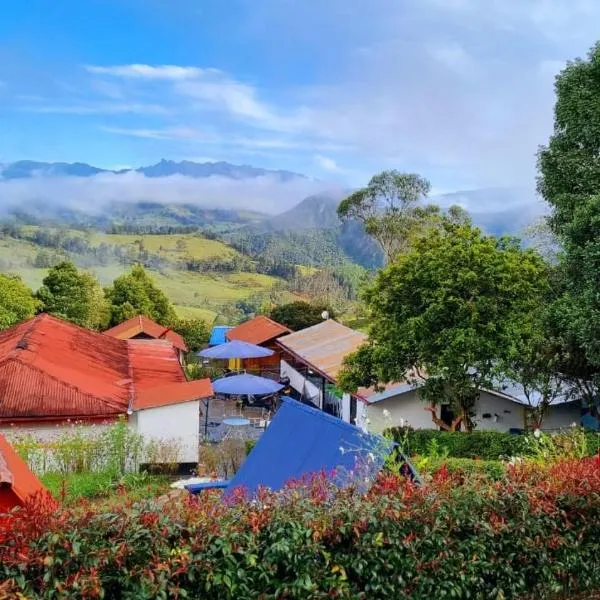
column 302, row 440
column 235, row 349
column 218, row 335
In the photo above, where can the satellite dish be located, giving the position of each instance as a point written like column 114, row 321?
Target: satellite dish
column 325, row 315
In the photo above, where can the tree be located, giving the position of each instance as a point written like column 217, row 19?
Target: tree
column 300, row 315
column 447, row 314
column 135, row 293
column 17, row 302
column 195, row 332
column 74, row 295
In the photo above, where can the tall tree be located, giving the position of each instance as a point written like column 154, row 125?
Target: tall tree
column 195, row 332
column 135, row 293
column 299, row 315
column 569, row 180
column 74, row 295
column 446, row 314
column 17, row 302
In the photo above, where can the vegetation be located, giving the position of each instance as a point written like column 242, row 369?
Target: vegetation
column 17, row 302
column 533, row 532
column 195, row 332
column 447, row 313
column 300, row 315
column 136, row 294
column 74, row 295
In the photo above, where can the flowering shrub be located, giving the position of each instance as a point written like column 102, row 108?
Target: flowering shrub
column 533, row 533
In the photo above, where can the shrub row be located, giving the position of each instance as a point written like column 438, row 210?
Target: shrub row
column 485, row 445
column 494, row 469
column 532, row 534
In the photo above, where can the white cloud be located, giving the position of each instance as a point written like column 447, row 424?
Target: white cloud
column 140, row 71
column 96, row 109
column 453, row 56
column 170, row 133
column 326, row 163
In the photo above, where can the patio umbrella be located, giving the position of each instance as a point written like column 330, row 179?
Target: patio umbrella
column 246, row 385
column 235, row 349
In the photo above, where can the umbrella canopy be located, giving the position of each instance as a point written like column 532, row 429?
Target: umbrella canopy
column 246, row 385
column 235, row 349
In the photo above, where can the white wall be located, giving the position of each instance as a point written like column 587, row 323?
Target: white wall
column 301, row 384
column 176, row 422
column 562, row 416
column 511, row 415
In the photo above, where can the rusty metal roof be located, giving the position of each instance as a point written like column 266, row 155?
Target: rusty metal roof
column 323, row 346
column 258, row 330
column 173, row 393
column 50, row 368
column 142, row 324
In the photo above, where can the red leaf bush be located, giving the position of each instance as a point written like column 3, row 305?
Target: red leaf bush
column 534, row 533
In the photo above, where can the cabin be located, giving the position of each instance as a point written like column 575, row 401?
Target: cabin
column 263, row 332
column 17, row 482
column 54, row 373
column 144, row 328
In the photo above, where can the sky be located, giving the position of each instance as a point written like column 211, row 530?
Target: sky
column 460, row 91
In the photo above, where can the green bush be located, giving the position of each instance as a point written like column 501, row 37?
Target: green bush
column 494, row 469
column 485, row 445
column 249, row 445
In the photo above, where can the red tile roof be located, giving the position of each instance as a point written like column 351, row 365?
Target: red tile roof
column 142, row 324
column 173, row 393
column 15, row 473
column 258, row 330
column 52, row 369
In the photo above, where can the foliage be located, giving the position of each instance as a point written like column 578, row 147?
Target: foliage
column 195, row 332
column 300, row 315
column 448, row 313
column 17, row 302
column 466, row 467
column 223, row 459
column 569, row 180
column 490, row 445
column 74, row 295
column 531, row 534
column 135, row 294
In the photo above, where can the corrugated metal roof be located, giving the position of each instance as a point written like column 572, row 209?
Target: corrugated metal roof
column 258, row 330
column 218, row 334
column 173, row 393
column 50, row 368
column 324, row 346
column 15, row 472
column 142, row 324
column 302, row 440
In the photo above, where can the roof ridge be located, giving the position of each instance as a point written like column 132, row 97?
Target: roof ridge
column 67, row 384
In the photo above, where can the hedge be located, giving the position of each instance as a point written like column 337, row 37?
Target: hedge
column 533, row 534
column 485, row 445
column 494, row 469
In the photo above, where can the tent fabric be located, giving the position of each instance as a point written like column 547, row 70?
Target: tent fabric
column 245, row 384
column 218, row 335
column 302, row 440
column 235, row 349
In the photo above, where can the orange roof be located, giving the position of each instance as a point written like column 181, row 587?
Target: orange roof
column 15, row 472
column 323, row 346
column 257, row 331
column 173, row 393
column 142, row 324
column 52, row 369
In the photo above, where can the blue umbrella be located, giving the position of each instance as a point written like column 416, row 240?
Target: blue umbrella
column 246, row 385
column 235, row 349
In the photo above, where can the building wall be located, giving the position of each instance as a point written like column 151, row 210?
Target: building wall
column 301, row 384
column 49, row 432
column 407, row 406
column 562, row 416
column 511, row 415
column 176, row 423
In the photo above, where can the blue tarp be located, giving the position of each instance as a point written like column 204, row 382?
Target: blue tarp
column 302, row 440
column 235, row 349
column 218, row 334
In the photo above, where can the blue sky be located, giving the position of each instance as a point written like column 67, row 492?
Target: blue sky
column 458, row 90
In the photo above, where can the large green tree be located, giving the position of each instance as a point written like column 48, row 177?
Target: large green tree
column 569, row 180
column 74, row 295
column 300, row 315
column 17, row 302
column 390, row 209
column 195, row 332
column 447, row 314
column 135, row 293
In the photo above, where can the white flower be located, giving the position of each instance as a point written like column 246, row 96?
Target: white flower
column 371, row 457
column 386, row 413
column 367, row 421
column 573, row 424
column 401, row 422
column 342, row 450
column 537, row 434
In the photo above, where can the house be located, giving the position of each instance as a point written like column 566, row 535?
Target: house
column 312, row 358
column 144, row 328
column 169, row 415
column 17, row 482
column 264, row 332
column 305, row 441
column 54, row 373
column 495, row 410
column 218, row 335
